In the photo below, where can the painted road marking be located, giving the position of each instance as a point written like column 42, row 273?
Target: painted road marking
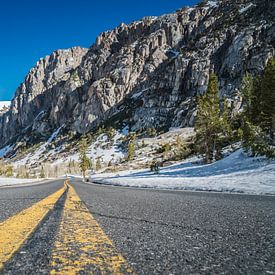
column 82, row 247
column 16, row 230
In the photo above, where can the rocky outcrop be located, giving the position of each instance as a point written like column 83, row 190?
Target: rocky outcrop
column 33, row 99
column 146, row 73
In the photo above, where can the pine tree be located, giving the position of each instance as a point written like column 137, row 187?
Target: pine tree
column 56, row 171
column 152, row 132
column 98, row 164
column 84, row 161
column 248, row 93
column 131, row 150
column 143, row 145
column 69, row 167
column 2, row 168
column 74, row 166
column 257, row 129
column 9, row 171
column 42, row 173
column 268, row 99
column 209, row 122
column 226, row 132
column 256, row 100
column 251, row 111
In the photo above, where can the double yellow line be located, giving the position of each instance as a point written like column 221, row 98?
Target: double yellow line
column 80, row 246
column 16, row 230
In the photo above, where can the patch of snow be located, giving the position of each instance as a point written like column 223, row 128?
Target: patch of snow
column 125, row 131
column 54, row 135
column 40, row 152
column 133, row 45
column 73, row 176
column 150, row 18
column 213, row 4
column 136, row 95
column 15, row 181
column 244, row 9
column 39, row 115
column 5, row 150
column 236, row 173
column 4, row 104
column 183, row 132
column 102, row 148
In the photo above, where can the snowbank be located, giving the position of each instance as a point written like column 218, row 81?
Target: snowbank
column 15, row 181
column 235, row 173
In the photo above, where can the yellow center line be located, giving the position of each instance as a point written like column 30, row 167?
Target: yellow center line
column 16, row 230
column 81, row 244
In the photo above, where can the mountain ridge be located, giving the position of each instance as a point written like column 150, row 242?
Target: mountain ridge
column 144, row 74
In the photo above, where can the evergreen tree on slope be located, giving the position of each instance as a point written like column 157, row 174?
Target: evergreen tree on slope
column 212, row 125
column 268, row 100
column 258, row 117
column 84, row 161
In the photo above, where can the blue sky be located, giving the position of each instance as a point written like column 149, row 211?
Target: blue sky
column 30, row 29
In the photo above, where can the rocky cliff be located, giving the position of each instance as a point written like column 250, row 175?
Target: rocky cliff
column 147, row 73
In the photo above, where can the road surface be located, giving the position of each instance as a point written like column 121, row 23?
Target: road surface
column 81, row 228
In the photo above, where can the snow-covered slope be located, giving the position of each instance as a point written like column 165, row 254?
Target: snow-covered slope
column 101, row 148
column 4, row 104
column 107, row 149
column 39, row 154
column 235, row 173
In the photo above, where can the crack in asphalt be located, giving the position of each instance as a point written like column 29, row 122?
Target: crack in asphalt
column 131, row 219
column 140, row 220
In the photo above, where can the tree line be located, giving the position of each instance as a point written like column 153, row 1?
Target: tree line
column 216, row 125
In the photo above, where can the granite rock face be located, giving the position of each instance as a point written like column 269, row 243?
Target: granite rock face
column 147, row 73
column 34, row 97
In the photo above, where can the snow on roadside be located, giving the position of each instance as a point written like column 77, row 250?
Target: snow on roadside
column 236, row 173
column 15, row 181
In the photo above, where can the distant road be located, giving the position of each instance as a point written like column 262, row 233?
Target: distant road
column 92, row 229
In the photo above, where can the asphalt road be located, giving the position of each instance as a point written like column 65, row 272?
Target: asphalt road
column 158, row 232
column 14, row 199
